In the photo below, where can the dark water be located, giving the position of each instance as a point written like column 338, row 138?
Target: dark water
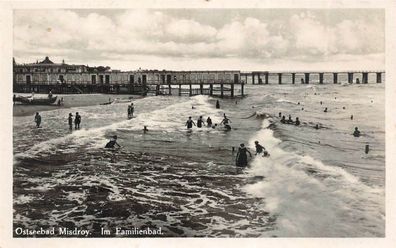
column 186, row 182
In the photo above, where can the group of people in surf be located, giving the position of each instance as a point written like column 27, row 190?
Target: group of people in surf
column 297, row 122
column 77, row 121
column 131, row 109
column 289, row 121
column 243, row 151
column 201, row 122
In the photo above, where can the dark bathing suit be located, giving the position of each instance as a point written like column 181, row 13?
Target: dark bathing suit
column 189, row 123
column 111, row 144
column 242, row 157
column 259, row 148
column 199, row 123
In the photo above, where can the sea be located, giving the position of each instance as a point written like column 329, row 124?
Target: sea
column 315, row 183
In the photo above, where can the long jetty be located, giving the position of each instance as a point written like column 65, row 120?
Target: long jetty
column 264, row 77
column 62, row 78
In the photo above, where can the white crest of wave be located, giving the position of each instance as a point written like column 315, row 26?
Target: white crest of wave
column 310, row 198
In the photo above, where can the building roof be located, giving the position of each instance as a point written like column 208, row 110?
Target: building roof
column 46, row 61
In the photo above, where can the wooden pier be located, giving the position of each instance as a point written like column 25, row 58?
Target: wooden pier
column 62, row 78
column 305, row 77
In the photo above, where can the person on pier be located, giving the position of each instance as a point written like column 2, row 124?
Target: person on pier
column 190, row 123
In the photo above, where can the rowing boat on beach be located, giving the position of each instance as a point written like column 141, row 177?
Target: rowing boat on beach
column 37, row 101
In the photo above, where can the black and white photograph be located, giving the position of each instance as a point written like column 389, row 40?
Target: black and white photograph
column 192, row 122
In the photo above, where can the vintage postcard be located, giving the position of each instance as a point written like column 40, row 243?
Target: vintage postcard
column 197, row 120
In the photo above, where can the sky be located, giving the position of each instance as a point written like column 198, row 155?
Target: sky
column 204, row 39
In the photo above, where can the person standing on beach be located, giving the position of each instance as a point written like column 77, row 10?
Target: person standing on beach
column 241, row 158
column 50, row 94
column 77, row 121
column 189, row 123
column 200, row 122
column 37, row 119
column 70, row 119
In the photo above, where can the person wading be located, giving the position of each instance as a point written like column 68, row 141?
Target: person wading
column 70, row 119
column 241, row 158
column 77, row 121
column 189, row 123
column 37, row 119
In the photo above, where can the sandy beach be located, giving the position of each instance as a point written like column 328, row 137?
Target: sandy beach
column 70, row 101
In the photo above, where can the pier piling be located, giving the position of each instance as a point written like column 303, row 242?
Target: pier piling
column 232, row 90
column 266, row 78
column 335, row 78
column 321, row 78
column 350, row 77
column 379, row 79
column 306, row 78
